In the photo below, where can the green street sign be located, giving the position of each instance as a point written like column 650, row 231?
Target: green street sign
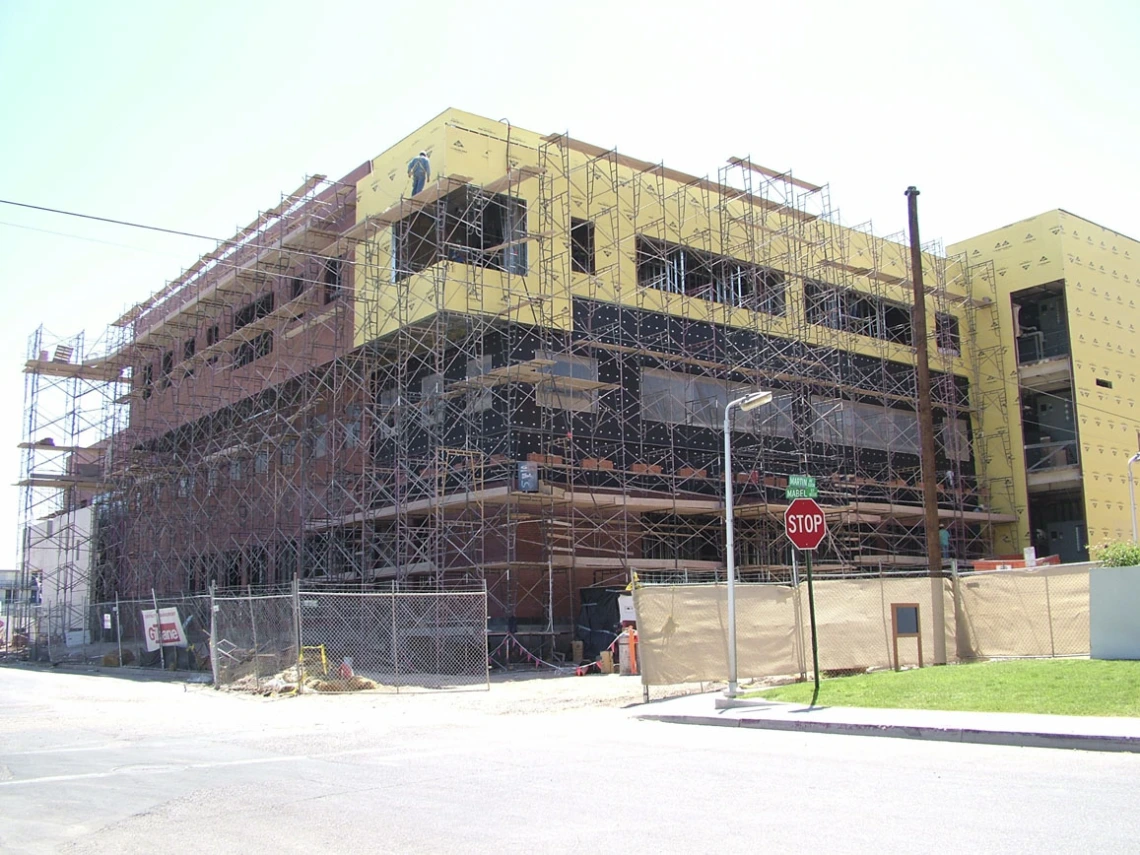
column 801, row 492
column 801, row 487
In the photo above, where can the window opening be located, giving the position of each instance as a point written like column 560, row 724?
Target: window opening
column 334, row 278
column 678, row 269
column 254, row 311
column 946, row 333
column 251, row 351
column 582, row 246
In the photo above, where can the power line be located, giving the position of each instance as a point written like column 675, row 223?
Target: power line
column 84, row 238
column 109, row 220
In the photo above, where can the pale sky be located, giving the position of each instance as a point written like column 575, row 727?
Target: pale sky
column 196, row 115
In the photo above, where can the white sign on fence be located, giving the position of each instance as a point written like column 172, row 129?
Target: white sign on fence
column 625, row 609
column 168, row 624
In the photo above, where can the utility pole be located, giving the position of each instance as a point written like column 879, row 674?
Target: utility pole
column 926, row 433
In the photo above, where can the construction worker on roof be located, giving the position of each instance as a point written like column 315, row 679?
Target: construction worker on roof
column 420, row 169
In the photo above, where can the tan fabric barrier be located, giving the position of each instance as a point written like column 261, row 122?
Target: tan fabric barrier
column 682, row 629
column 854, row 621
column 1042, row 612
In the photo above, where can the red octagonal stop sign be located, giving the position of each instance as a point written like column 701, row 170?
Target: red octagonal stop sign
column 804, row 523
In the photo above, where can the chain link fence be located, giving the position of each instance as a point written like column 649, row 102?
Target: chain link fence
column 271, row 641
column 862, row 623
column 114, row 633
column 255, row 640
column 351, row 641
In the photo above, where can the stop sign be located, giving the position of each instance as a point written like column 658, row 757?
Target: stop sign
column 804, row 523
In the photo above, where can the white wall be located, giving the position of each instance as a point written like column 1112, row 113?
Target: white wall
column 1114, row 612
column 60, row 550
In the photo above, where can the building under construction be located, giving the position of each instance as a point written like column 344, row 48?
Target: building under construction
column 516, row 376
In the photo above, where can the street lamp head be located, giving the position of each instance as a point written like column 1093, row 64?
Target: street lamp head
column 756, row 399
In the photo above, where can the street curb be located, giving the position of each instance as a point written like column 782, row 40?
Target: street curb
column 1076, row 742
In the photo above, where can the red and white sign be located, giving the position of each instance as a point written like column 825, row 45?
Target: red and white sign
column 804, row 523
column 166, row 631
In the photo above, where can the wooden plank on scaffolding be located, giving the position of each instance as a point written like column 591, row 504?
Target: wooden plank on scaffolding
column 513, row 178
column 432, row 193
column 675, row 175
column 786, row 177
column 102, row 372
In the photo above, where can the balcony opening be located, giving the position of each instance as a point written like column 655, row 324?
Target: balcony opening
column 1040, row 323
column 1050, row 431
column 467, row 226
column 1058, row 526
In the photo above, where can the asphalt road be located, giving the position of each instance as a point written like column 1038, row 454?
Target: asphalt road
column 94, row 763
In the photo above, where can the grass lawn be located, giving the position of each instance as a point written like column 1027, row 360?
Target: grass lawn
column 1052, row 686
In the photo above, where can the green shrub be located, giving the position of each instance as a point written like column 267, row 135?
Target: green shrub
column 1122, row 553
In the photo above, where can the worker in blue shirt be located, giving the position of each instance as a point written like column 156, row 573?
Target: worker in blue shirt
column 420, row 170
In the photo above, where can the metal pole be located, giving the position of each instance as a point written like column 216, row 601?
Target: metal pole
column 119, row 629
column 814, row 640
column 797, row 616
column 158, row 630
column 300, row 659
column 747, row 402
column 395, row 646
column 730, row 554
column 926, row 432
column 214, row 631
column 253, row 632
column 1132, row 496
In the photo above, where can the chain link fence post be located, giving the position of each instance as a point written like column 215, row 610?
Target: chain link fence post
column 395, row 644
column 486, row 618
column 298, row 634
column 213, row 633
column 253, row 632
column 158, row 631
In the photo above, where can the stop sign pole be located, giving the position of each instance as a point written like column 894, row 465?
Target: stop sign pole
column 805, row 525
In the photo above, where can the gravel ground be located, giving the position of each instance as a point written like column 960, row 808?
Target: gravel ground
column 518, row 692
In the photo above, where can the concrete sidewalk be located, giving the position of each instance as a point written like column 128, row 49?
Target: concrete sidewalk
column 1036, row 731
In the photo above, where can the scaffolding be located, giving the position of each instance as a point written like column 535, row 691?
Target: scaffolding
column 518, row 382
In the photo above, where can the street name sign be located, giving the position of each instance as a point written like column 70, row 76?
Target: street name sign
column 801, row 487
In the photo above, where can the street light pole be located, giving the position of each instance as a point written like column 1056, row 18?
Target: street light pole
column 1132, row 496
column 745, row 403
